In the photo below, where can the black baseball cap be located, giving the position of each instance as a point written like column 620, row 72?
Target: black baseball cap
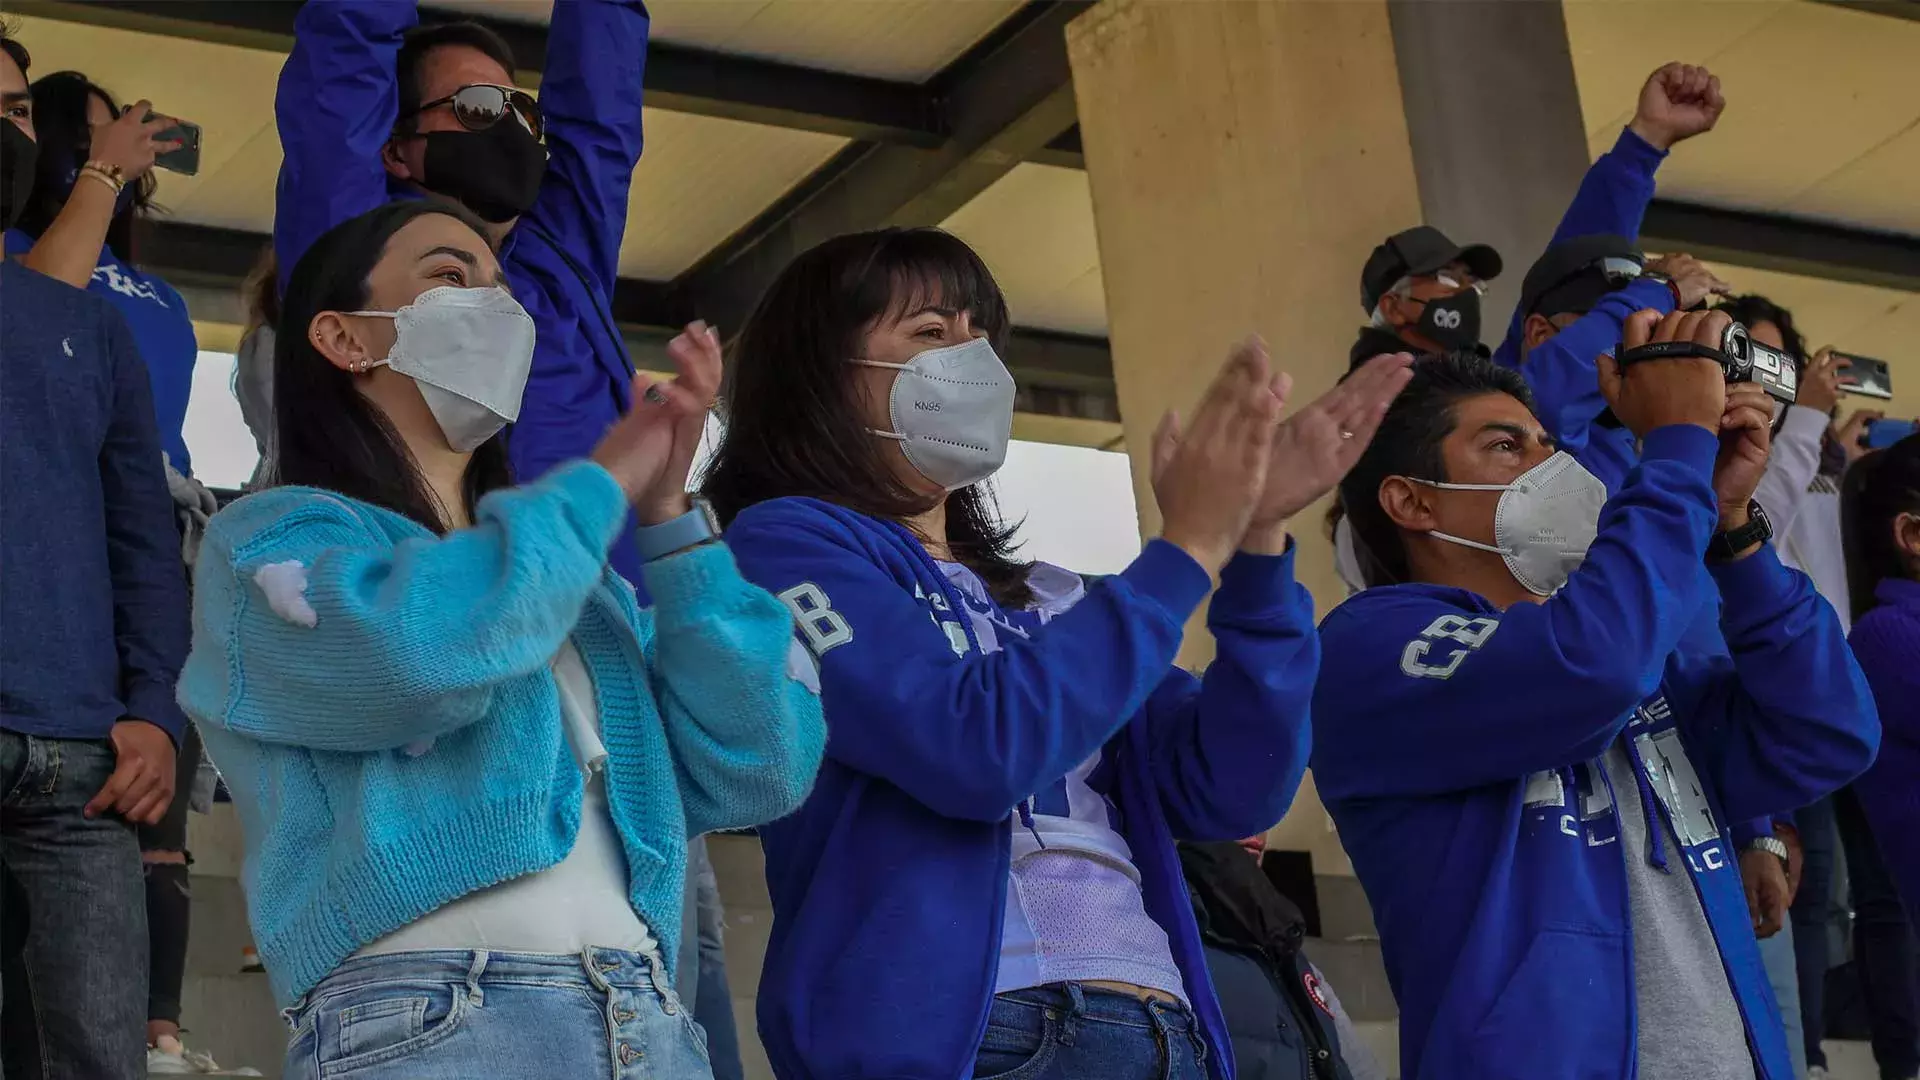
column 1417, row 252
column 1572, row 275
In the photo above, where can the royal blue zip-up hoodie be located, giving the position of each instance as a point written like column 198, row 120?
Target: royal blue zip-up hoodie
column 1457, row 747
column 336, row 107
column 889, row 884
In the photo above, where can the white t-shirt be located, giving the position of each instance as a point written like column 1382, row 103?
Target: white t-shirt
column 577, row 903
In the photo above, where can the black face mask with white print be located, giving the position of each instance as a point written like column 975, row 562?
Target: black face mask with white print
column 1452, row 322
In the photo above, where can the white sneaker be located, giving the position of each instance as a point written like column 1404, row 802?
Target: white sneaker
column 170, row 1058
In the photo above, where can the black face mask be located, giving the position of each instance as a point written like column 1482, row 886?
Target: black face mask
column 495, row 173
column 1452, row 322
column 19, row 155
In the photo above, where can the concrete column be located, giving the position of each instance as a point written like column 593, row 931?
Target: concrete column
column 1493, row 116
column 1245, row 156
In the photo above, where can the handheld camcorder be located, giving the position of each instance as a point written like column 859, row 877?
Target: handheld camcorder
column 1741, row 359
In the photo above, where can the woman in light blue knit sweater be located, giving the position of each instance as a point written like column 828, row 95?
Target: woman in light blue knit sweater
column 466, row 760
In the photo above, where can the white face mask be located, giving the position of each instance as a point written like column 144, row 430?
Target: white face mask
column 1546, row 520
column 952, row 411
column 469, row 351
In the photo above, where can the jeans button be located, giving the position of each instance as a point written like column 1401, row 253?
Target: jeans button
column 621, row 1016
column 628, row 1054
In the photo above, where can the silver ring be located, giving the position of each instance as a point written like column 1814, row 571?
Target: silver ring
column 1346, row 434
column 655, row 395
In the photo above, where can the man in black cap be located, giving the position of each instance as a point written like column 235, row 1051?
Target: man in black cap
column 1422, row 292
column 1573, row 304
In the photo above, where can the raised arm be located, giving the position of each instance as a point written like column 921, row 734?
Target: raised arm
column 742, row 711
column 1790, row 717
column 590, row 95
column 1425, row 690
column 1563, row 372
column 69, row 247
column 335, row 109
column 1677, row 102
column 347, row 641
column 1229, row 748
column 1794, row 463
column 968, row 735
column 150, row 615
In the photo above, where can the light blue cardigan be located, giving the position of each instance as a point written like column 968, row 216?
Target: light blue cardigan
column 391, row 732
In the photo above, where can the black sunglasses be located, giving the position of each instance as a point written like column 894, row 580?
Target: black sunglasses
column 482, row 105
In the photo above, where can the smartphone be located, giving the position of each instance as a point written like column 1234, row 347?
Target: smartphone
column 1869, row 377
column 185, row 159
column 1884, row 433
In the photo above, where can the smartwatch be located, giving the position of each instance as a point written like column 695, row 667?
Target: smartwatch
column 696, row 526
column 1757, row 530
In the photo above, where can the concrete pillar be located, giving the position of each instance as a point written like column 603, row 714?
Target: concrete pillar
column 1493, row 116
column 1245, row 156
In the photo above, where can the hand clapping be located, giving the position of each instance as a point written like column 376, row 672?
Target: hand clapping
column 650, row 450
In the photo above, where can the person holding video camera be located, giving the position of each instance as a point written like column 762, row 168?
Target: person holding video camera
column 1508, row 709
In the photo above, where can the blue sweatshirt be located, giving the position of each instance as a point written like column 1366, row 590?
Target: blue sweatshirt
column 336, row 108
column 1886, row 641
column 93, row 596
column 162, row 329
column 1564, row 373
column 381, row 703
column 1503, row 916
column 889, row 884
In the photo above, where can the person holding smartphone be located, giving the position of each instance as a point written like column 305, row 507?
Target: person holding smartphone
column 93, row 179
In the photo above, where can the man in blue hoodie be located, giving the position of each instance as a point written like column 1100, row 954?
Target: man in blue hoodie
column 1532, row 779
column 373, row 107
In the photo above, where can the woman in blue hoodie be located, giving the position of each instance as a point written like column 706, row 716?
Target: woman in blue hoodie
column 466, row 762
column 984, row 882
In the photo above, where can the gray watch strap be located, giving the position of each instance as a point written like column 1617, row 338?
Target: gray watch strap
column 693, row 527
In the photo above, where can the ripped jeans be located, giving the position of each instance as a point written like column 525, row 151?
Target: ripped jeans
column 459, row 1014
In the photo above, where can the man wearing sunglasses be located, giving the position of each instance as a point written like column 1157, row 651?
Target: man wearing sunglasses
column 372, row 106
column 1422, row 293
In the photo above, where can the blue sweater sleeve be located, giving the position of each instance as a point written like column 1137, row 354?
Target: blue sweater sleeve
column 746, row 733
column 1886, row 641
column 319, row 631
column 150, row 622
column 1421, row 694
column 335, row 109
column 1789, row 717
column 967, row 735
column 1612, row 200
column 1564, row 372
column 590, row 96
column 1229, row 748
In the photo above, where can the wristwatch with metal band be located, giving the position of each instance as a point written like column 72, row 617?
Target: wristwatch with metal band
column 1772, row 845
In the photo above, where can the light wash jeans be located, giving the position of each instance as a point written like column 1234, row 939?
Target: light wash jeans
column 458, row 1015
column 1776, row 953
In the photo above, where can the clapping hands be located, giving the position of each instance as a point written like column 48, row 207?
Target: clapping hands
column 650, row 450
column 1232, row 478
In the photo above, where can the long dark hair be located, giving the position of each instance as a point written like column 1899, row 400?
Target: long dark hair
column 1875, row 491
column 793, row 418
column 66, row 138
column 326, row 433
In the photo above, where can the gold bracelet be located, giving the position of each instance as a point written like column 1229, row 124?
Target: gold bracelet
column 112, row 174
column 95, row 174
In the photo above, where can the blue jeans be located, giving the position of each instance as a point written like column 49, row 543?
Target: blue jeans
column 1777, row 954
column 456, row 1015
column 1067, row 1031
column 76, row 1007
